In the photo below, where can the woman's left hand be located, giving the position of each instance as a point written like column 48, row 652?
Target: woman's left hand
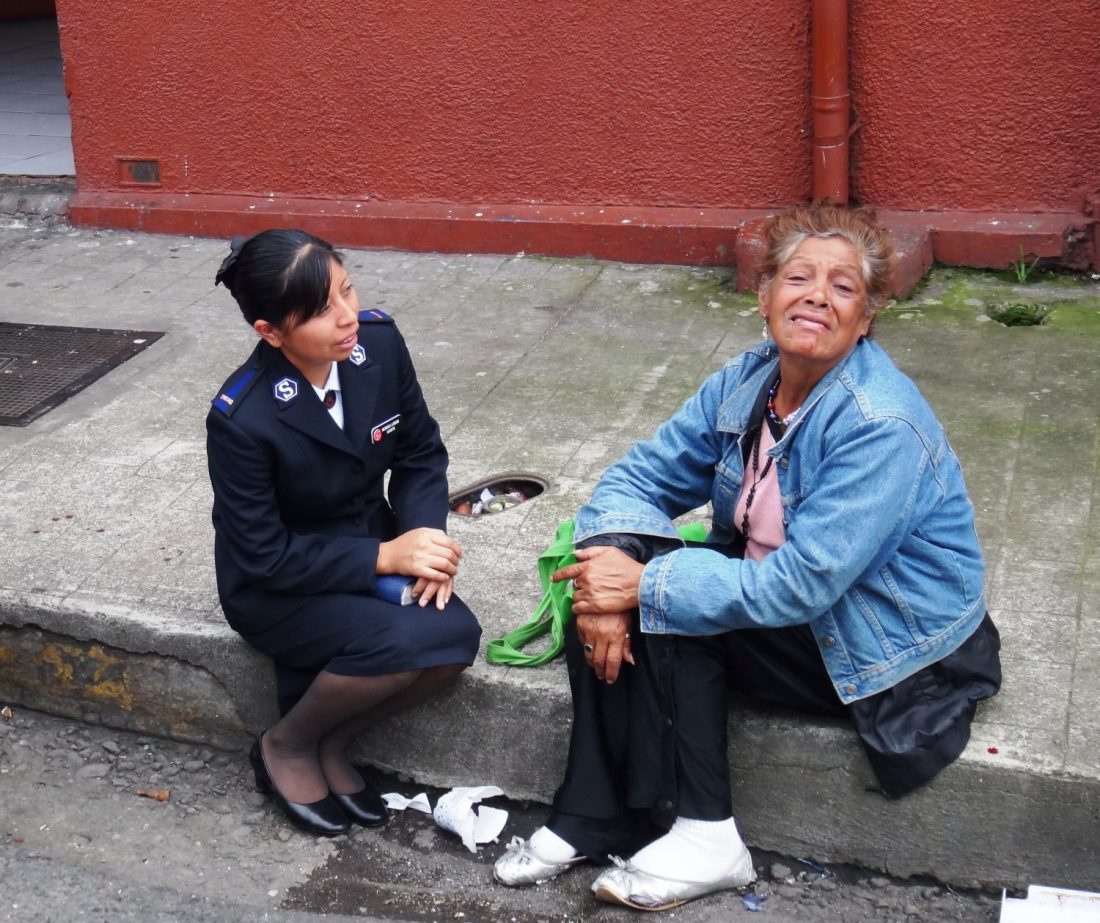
column 606, row 641
column 424, row 591
column 605, row 580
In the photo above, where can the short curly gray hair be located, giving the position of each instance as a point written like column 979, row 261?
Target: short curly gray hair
column 859, row 227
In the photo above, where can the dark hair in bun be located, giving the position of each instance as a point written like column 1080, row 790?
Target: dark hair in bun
column 281, row 276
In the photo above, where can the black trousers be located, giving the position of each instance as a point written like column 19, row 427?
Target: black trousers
column 653, row 746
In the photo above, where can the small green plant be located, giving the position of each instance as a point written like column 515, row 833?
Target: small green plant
column 1021, row 268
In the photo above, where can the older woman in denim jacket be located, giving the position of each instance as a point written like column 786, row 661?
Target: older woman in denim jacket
column 842, row 576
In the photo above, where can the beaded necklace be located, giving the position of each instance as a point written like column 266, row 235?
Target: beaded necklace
column 755, row 482
column 772, row 415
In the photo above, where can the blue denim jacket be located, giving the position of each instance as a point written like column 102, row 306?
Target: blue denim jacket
column 881, row 558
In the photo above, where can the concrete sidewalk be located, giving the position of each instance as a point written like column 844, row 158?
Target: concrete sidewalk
column 108, row 608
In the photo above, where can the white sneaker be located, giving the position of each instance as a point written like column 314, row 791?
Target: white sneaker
column 521, row 866
column 631, row 887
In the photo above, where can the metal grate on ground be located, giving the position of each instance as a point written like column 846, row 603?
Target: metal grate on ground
column 43, row 366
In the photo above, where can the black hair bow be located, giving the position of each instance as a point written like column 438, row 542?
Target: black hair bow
column 235, row 247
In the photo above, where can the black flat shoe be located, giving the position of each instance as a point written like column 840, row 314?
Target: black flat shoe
column 365, row 807
column 321, row 818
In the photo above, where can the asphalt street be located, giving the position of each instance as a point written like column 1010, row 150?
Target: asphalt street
column 83, row 837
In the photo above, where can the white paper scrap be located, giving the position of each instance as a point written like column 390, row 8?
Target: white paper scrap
column 398, row 802
column 1045, row 905
column 455, row 812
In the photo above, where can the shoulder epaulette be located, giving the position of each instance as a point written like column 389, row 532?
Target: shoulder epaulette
column 235, row 389
column 373, row 315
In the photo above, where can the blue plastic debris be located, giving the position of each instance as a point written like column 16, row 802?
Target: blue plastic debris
column 754, row 902
column 824, row 872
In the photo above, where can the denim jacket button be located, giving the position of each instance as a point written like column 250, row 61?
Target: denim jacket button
column 784, row 463
column 850, row 689
column 830, row 641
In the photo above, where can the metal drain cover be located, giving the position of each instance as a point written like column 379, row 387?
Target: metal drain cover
column 43, row 366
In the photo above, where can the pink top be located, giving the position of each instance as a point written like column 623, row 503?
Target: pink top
column 766, row 514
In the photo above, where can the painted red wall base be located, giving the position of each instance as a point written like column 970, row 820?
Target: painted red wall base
column 689, row 236
column 990, row 241
column 995, row 239
column 693, row 236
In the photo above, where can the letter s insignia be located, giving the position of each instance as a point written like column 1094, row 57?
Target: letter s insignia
column 358, row 355
column 285, row 390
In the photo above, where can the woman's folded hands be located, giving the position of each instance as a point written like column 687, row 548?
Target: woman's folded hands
column 605, row 594
column 429, row 555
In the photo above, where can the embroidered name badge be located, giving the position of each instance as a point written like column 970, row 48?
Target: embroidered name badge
column 383, row 429
column 358, row 355
column 285, row 390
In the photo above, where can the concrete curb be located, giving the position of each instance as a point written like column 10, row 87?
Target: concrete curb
column 27, row 198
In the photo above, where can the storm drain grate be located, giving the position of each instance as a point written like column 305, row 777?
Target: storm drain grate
column 41, row 366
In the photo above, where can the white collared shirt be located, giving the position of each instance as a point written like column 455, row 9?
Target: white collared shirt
column 332, row 383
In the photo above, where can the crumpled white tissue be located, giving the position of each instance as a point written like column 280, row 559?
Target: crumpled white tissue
column 398, row 802
column 455, row 812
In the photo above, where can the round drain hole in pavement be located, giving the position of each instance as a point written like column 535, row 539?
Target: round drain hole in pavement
column 496, row 494
column 1019, row 314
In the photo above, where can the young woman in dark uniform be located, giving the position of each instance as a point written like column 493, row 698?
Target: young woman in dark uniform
column 298, row 441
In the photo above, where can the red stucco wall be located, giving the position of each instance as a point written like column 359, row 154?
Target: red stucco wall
column 986, row 105
column 649, row 130
column 495, row 101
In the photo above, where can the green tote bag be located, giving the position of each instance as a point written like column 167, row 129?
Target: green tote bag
column 556, row 607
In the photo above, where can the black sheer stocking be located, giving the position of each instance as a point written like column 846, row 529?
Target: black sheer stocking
column 341, row 776
column 291, row 747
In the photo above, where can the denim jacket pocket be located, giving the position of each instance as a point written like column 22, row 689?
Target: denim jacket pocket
column 727, row 489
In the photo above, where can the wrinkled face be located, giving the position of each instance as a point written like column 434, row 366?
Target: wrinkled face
column 330, row 336
column 816, row 305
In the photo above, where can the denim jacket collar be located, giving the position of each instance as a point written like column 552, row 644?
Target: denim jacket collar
column 742, row 411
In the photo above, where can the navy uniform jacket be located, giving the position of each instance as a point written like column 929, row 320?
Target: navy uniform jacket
column 299, row 507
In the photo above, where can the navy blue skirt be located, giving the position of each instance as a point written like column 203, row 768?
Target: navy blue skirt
column 357, row 635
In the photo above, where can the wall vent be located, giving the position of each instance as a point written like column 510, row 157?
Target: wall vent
column 135, row 172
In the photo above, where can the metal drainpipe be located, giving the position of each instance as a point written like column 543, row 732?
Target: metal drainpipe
column 830, row 100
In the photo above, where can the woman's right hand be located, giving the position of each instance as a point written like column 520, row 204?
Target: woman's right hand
column 430, row 554
column 424, row 591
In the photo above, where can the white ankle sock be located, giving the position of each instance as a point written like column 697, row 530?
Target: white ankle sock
column 693, row 850
column 550, row 847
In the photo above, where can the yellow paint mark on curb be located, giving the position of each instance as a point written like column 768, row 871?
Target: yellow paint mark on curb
column 63, row 670
column 109, row 680
column 105, row 660
column 112, row 691
column 115, row 689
